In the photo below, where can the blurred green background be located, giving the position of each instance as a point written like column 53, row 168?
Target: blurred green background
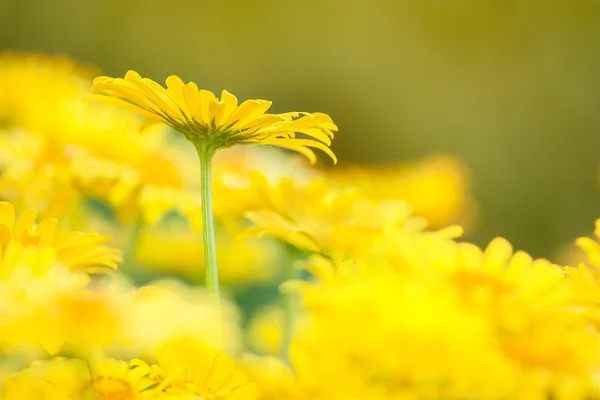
column 512, row 87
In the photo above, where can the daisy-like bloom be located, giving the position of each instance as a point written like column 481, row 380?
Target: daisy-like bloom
column 56, row 150
column 157, row 313
column 64, row 379
column 45, row 300
column 437, row 187
column 449, row 299
column 211, row 124
column 585, row 278
column 206, row 120
column 528, row 303
column 399, row 324
column 77, row 251
column 316, row 218
column 187, row 366
column 36, row 86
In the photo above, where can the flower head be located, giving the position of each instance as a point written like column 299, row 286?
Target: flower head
column 60, row 378
column 206, row 120
column 187, row 366
column 438, row 187
column 75, row 250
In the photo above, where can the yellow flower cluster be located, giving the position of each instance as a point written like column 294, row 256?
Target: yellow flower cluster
column 345, row 283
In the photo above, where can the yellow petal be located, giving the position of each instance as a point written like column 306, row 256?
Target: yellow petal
column 147, row 123
column 205, row 99
column 7, row 215
column 497, row 254
column 247, row 112
column 231, row 103
column 175, row 87
column 45, row 230
column 300, row 145
column 24, row 223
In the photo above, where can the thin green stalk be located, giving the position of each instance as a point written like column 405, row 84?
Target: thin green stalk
column 132, row 243
column 290, row 308
column 206, row 154
column 289, row 304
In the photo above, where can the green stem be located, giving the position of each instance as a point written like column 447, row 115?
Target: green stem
column 132, row 243
column 289, row 303
column 206, row 154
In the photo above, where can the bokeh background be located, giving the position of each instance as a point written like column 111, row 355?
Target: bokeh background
column 511, row 87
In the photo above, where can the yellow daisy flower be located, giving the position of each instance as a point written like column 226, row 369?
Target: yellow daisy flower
column 585, row 278
column 56, row 149
column 316, row 218
column 591, row 247
column 76, row 250
column 514, row 312
column 188, row 366
column 437, row 187
column 218, row 123
column 35, row 87
column 60, row 378
column 158, row 313
column 211, row 124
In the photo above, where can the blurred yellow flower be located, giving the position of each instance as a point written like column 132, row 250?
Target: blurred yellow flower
column 264, row 332
column 319, row 219
column 66, row 379
column 514, row 312
column 585, row 278
column 34, row 86
column 163, row 311
column 61, row 311
column 386, row 337
column 57, row 148
column 591, row 247
column 219, row 123
column 75, row 250
column 187, row 366
column 32, row 285
column 437, row 186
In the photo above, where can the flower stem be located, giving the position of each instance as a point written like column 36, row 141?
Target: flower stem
column 132, row 243
column 206, row 154
column 289, row 304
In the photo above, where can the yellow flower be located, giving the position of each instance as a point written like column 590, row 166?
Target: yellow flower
column 385, row 337
column 591, row 247
column 189, row 366
column 57, row 149
column 437, row 186
column 158, row 313
column 265, row 330
column 219, row 123
column 244, row 176
column 434, row 302
column 43, row 279
column 316, row 218
column 35, row 86
column 32, row 284
column 60, row 378
column 585, row 279
column 142, row 178
column 75, row 250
